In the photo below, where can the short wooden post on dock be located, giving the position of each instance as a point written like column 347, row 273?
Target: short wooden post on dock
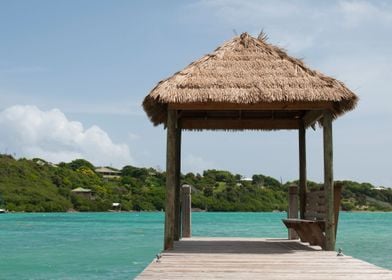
column 186, row 205
column 292, row 212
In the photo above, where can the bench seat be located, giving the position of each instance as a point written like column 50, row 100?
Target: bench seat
column 312, row 228
column 310, row 231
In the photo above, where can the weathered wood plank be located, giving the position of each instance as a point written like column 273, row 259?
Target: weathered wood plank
column 292, row 212
column 311, row 117
column 186, row 211
column 328, row 182
column 258, row 106
column 257, row 258
column 171, row 159
column 302, row 169
column 177, row 200
column 197, row 123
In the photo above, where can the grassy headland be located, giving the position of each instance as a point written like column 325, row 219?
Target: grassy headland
column 38, row 186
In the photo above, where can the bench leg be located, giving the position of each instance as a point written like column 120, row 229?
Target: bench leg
column 311, row 233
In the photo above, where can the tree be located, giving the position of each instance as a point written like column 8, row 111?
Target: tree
column 78, row 163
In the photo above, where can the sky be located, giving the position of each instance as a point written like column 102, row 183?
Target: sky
column 73, row 75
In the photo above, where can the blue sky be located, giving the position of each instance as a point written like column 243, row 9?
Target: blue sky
column 73, row 75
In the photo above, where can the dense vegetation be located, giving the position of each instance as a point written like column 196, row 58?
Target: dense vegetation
column 38, row 186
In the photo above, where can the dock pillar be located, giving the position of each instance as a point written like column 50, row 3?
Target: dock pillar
column 186, row 209
column 302, row 169
column 292, row 212
column 171, row 179
column 177, row 196
column 328, row 182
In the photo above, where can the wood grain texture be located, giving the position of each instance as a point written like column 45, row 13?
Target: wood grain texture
column 171, row 158
column 186, row 211
column 234, row 124
column 302, row 169
column 257, row 258
column 177, row 198
column 292, row 212
column 328, row 182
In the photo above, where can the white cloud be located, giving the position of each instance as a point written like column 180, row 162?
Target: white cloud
column 193, row 163
column 99, row 107
column 298, row 26
column 368, row 77
column 133, row 136
column 30, row 132
column 358, row 12
column 96, row 106
column 287, row 22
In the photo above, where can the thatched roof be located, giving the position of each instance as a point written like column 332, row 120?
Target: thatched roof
column 247, row 71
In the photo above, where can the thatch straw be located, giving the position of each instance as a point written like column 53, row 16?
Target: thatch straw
column 247, row 70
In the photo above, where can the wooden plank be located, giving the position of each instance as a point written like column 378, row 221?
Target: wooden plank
column 170, row 180
column 311, row 117
column 328, row 181
column 258, row 106
column 316, row 195
column 302, row 169
column 186, row 211
column 336, row 200
column 199, row 123
column 257, row 258
column 292, row 212
column 316, row 206
column 314, row 215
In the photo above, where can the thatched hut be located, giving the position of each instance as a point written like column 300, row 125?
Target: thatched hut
column 246, row 83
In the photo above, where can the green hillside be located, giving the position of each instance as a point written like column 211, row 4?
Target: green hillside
column 38, row 186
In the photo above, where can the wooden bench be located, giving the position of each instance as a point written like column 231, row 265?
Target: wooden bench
column 312, row 228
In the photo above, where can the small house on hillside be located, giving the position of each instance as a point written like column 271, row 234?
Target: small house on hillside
column 108, row 173
column 86, row 193
column 116, row 206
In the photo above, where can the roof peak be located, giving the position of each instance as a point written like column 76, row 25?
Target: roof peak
column 247, row 70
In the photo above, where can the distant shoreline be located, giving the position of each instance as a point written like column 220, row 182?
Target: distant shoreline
column 133, row 211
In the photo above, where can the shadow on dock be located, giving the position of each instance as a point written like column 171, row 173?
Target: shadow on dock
column 257, row 246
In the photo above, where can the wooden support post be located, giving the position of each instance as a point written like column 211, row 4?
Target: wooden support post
column 186, row 211
column 337, row 190
column 302, row 169
column 171, row 157
column 177, row 199
column 328, row 182
column 292, row 212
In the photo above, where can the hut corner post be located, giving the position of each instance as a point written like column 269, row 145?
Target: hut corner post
column 302, row 169
column 177, row 199
column 328, row 182
column 292, row 212
column 172, row 181
column 186, row 210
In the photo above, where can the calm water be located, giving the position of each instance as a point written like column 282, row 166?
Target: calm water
column 120, row 245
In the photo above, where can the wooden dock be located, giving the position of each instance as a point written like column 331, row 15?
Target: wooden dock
column 257, row 258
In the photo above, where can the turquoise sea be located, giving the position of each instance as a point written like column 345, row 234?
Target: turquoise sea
column 120, row 245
